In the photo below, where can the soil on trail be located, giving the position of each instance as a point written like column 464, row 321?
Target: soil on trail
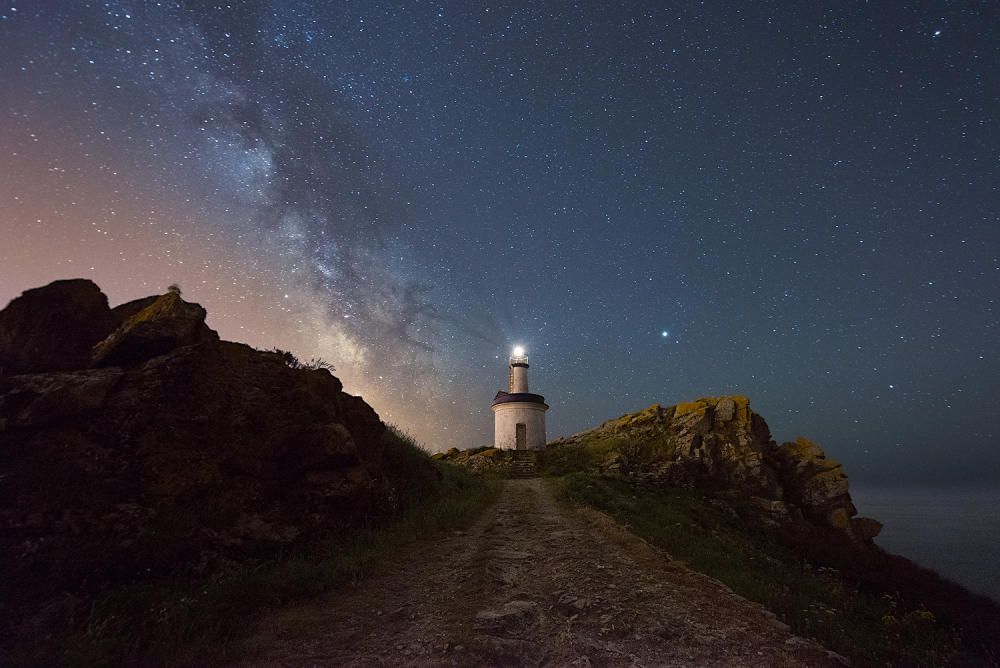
column 533, row 583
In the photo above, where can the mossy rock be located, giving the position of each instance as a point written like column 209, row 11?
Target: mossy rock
column 804, row 449
column 683, row 409
column 838, row 518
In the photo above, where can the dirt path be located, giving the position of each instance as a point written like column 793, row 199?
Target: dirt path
column 534, row 584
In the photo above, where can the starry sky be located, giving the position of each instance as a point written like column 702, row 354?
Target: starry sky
column 794, row 201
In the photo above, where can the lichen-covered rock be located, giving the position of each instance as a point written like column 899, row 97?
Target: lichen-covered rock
column 720, row 444
column 838, row 518
column 123, row 312
column 725, row 410
column 479, row 460
column 162, row 325
column 865, row 529
column 480, row 463
column 54, row 327
column 691, row 444
column 813, row 483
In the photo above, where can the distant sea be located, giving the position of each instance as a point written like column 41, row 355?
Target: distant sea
column 954, row 531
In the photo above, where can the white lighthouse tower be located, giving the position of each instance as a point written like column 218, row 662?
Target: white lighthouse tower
column 519, row 416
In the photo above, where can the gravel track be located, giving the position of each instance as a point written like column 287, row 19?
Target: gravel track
column 534, row 583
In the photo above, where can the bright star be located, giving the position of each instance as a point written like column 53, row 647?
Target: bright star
column 664, row 333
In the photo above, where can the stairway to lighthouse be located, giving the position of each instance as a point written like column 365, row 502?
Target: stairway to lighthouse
column 523, row 464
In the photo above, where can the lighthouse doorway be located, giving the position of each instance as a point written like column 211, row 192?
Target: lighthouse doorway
column 521, row 436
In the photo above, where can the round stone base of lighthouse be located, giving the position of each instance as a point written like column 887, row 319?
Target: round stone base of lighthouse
column 519, row 426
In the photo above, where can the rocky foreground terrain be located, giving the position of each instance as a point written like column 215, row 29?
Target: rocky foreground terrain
column 136, row 447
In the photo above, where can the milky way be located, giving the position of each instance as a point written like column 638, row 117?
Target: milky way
column 660, row 201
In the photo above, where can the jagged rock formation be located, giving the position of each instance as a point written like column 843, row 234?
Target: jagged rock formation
column 721, row 445
column 136, row 445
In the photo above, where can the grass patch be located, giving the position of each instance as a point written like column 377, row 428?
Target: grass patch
column 565, row 459
column 871, row 630
column 197, row 623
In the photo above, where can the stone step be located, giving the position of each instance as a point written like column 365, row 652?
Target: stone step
column 523, row 464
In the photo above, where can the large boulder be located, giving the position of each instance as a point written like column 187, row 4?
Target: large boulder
column 123, row 312
column 51, row 398
column 864, row 529
column 54, row 327
column 155, row 328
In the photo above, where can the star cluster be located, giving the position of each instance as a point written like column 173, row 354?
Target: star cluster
column 659, row 200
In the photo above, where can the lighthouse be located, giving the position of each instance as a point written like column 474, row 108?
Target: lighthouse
column 519, row 415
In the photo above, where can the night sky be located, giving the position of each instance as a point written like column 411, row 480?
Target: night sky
column 795, row 201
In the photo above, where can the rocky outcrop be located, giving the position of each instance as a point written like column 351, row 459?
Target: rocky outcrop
column 721, row 445
column 165, row 323
column 813, row 483
column 479, row 460
column 123, row 312
column 54, row 327
column 176, row 456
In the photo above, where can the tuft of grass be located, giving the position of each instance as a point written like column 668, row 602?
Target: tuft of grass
column 870, row 629
column 186, row 623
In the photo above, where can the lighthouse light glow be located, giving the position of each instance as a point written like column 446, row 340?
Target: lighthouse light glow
column 518, row 351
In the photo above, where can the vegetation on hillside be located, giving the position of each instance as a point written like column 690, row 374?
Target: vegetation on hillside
column 292, row 361
column 871, row 628
column 208, row 621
